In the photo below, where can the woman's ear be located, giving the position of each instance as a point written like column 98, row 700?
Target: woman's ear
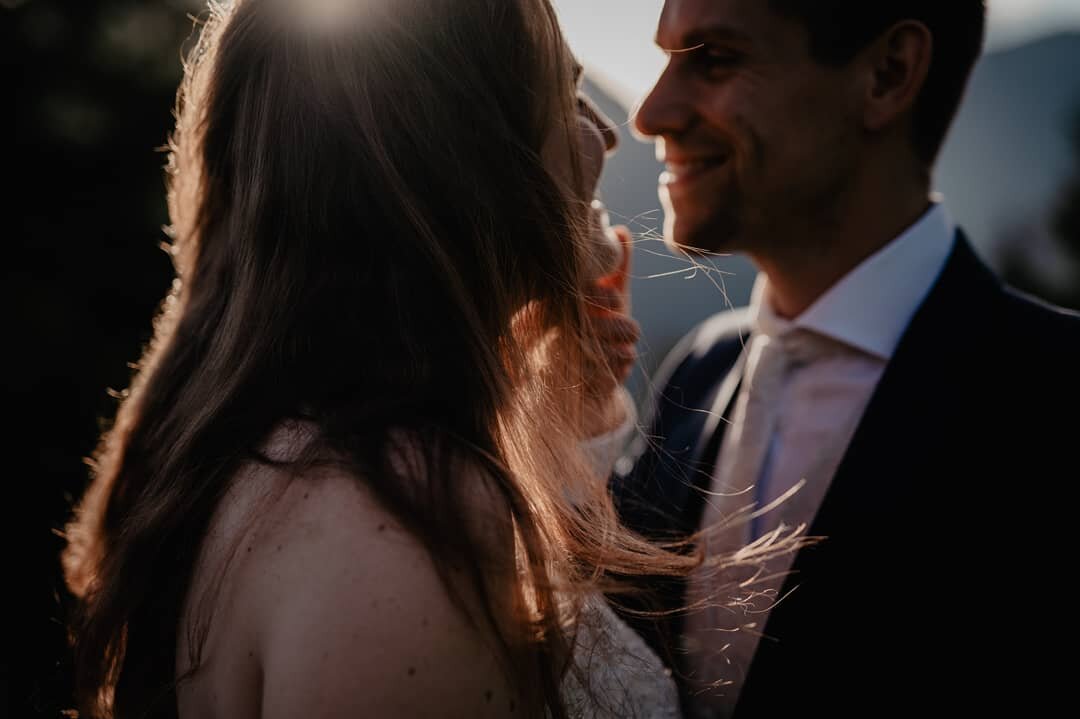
column 898, row 64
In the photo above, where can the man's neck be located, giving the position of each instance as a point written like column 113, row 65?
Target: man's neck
column 798, row 276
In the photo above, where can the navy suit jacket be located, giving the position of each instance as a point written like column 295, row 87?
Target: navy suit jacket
column 941, row 582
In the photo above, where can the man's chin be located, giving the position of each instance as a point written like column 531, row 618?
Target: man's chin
column 699, row 238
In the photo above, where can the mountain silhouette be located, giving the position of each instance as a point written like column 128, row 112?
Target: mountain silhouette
column 1009, row 153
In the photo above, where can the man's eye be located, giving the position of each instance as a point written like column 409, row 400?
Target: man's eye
column 717, row 58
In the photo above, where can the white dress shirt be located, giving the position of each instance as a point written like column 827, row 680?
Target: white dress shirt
column 836, row 353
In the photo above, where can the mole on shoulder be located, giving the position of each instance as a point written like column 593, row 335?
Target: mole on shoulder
column 412, row 671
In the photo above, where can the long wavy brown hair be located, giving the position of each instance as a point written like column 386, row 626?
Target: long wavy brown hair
column 365, row 238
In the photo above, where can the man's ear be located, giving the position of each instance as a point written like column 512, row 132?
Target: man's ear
column 898, row 63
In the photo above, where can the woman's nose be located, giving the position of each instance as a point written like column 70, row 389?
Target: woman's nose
column 602, row 122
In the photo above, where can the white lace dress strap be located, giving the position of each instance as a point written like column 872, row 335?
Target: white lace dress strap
column 615, row 674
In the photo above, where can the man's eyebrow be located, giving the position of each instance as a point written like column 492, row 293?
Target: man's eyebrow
column 698, row 37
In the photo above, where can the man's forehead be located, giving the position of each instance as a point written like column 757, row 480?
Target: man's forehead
column 689, row 22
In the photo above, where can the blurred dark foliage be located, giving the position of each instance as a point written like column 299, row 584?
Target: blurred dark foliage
column 1065, row 227
column 94, row 85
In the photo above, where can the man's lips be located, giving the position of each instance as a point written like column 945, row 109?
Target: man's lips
column 685, row 170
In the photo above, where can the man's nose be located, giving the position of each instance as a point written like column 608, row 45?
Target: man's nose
column 665, row 109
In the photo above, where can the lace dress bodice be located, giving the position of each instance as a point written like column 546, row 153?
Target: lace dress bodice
column 615, row 675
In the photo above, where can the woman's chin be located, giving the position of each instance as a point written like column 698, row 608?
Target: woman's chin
column 605, row 249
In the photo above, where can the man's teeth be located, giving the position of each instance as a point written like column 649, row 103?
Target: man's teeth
column 688, row 168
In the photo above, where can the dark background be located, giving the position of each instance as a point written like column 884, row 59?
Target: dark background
column 83, row 206
column 94, row 84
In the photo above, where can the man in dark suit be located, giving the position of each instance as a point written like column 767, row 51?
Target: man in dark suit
column 884, row 390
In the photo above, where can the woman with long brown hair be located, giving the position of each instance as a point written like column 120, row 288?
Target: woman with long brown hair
column 346, row 478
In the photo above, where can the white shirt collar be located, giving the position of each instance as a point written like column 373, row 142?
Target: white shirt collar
column 871, row 306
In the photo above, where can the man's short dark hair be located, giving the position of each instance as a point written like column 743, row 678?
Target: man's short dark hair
column 839, row 29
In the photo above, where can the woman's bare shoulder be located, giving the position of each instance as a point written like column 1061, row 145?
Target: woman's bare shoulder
column 343, row 609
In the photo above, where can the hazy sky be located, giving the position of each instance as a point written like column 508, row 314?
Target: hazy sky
column 614, row 36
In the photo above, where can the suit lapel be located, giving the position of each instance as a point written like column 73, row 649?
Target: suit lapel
column 914, row 393
column 670, row 480
column 877, row 489
column 707, row 447
column 676, row 485
column 719, row 417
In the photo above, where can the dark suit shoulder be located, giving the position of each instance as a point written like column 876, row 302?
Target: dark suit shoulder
column 1043, row 321
column 722, row 328
column 1039, row 345
column 699, row 362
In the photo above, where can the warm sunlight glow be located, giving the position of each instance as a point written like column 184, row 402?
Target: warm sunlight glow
column 326, row 15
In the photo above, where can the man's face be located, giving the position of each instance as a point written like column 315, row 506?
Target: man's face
column 759, row 138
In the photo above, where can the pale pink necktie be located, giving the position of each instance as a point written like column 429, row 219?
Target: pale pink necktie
column 721, row 638
column 754, row 420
